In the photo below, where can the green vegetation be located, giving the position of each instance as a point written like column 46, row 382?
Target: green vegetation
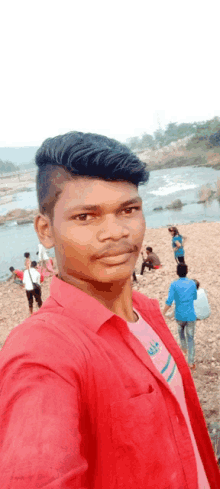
column 207, row 135
column 8, row 166
column 204, row 135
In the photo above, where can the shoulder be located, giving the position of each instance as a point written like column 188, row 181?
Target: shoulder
column 191, row 282
column 39, row 341
column 142, row 301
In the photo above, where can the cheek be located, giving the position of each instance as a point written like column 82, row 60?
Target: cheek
column 75, row 240
column 139, row 226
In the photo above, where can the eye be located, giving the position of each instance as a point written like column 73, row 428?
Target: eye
column 83, row 217
column 130, row 210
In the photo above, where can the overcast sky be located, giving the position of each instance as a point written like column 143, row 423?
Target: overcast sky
column 115, row 67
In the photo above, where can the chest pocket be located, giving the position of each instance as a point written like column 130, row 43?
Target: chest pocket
column 144, row 449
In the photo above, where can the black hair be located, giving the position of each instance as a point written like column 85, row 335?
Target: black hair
column 33, row 264
column 182, row 269
column 196, row 282
column 176, row 232
column 149, row 249
column 78, row 154
column 11, row 269
column 27, row 255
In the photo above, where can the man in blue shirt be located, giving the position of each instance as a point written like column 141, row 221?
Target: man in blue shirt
column 183, row 292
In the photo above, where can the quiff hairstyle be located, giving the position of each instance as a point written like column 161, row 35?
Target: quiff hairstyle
column 77, row 154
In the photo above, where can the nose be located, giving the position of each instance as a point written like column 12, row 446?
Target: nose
column 113, row 229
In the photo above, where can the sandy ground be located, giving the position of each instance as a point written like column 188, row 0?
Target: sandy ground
column 203, row 260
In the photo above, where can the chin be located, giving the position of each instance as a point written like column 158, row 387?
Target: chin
column 114, row 275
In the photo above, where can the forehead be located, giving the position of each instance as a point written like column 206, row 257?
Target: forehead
column 87, row 191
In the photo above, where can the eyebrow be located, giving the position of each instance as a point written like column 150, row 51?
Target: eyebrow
column 95, row 208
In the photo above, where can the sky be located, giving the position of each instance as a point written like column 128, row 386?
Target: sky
column 118, row 68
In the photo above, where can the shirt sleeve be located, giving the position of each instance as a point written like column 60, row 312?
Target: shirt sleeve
column 24, row 279
column 40, row 439
column 170, row 298
column 195, row 293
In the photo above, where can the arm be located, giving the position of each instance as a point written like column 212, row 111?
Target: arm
column 9, row 279
column 166, row 308
column 39, row 424
column 178, row 244
column 169, row 300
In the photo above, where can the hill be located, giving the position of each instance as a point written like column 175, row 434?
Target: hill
column 180, row 145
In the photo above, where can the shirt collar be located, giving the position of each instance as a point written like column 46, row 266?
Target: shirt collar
column 79, row 304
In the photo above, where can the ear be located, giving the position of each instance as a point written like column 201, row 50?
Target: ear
column 43, row 228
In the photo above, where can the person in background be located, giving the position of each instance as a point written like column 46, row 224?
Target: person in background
column 177, row 244
column 42, row 255
column 151, row 261
column 17, row 275
column 201, row 304
column 50, row 266
column 27, row 262
column 31, row 277
column 183, row 292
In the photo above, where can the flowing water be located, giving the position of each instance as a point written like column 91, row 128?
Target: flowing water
column 164, row 186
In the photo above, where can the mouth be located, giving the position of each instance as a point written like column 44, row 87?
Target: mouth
column 118, row 259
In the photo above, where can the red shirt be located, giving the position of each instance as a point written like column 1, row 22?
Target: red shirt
column 83, row 406
column 19, row 274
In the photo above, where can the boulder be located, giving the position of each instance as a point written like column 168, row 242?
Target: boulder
column 176, row 204
column 158, row 208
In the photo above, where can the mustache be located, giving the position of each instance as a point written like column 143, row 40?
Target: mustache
column 116, row 250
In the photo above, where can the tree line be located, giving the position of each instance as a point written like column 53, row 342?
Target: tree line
column 8, row 166
column 204, row 134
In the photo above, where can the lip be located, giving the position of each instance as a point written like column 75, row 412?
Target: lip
column 116, row 259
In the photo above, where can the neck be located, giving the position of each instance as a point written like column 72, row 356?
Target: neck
column 116, row 296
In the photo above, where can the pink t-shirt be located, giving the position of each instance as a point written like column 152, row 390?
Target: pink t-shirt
column 166, row 365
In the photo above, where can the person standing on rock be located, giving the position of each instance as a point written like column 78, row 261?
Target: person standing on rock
column 177, row 244
column 183, row 292
column 87, row 397
column 27, row 262
column 42, row 255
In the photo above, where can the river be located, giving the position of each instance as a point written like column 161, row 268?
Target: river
column 163, row 187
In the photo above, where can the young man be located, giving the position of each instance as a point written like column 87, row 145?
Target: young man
column 27, row 261
column 183, row 293
column 86, row 400
column 151, row 261
column 42, row 255
column 32, row 277
column 17, row 275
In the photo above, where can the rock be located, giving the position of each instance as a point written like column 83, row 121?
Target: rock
column 158, row 208
column 25, row 221
column 22, row 216
column 176, row 204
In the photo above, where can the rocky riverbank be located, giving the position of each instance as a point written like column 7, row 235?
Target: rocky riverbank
column 16, row 182
column 21, row 216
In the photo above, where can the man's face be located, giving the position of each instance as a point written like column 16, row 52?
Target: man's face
column 98, row 229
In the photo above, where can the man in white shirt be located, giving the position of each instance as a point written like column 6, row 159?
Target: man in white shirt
column 43, row 256
column 32, row 277
column 201, row 304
